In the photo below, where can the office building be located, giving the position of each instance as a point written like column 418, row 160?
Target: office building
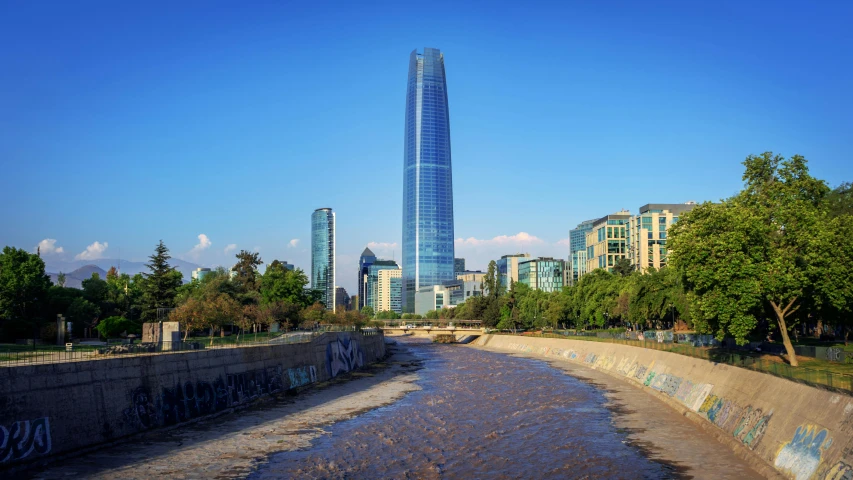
column 447, row 295
column 471, row 276
column 372, row 286
column 342, row 299
column 508, row 268
column 606, row 242
column 200, row 273
column 389, row 287
column 646, row 233
column 428, row 252
column 543, row 273
column 458, row 266
column 364, row 262
column 577, row 250
column 323, row 255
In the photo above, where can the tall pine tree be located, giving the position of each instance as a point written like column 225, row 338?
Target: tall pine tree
column 160, row 285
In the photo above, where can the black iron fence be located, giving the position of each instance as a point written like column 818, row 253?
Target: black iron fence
column 82, row 352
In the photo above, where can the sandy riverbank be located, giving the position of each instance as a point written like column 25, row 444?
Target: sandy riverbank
column 231, row 446
column 659, row 431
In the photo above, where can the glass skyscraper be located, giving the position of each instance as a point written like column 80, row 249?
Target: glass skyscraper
column 323, row 255
column 427, row 178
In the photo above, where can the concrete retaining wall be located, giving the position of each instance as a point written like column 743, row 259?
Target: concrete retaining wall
column 782, row 427
column 48, row 410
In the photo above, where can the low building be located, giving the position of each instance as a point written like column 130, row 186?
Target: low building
column 471, row 276
column 458, row 266
column 646, row 234
column 543, row 273
column 200, row 273
column 607, row 241
column 508, row 268
column 447, row 295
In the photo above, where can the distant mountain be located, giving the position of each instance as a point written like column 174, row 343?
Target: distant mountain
column 74, row 278
column 104, row 264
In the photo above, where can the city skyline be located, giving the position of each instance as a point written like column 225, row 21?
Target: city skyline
column 111, row 138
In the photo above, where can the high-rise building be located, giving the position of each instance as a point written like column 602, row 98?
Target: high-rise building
column 577, row 249
column 647, row 233
column 323, row 255
column 543, row 273
column 372, row 286
column 427, row 178
column 342, row 299
column 388, row 290
column 508, row 268
column 458, row 266
column 366, row 260
column 606, row 242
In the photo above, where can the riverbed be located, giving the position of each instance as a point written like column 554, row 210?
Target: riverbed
column 434, row 411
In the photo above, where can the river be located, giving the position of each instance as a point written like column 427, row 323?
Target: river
column 449, row 411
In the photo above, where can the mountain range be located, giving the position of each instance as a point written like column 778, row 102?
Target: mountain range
column 78, row 270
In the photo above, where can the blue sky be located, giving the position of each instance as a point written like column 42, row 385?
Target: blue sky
column 126, row 123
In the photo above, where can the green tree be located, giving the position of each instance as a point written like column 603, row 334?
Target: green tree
column 368, row 312
column 112, row 327
column 492, row 281
column 755, row 250
column 246, row 271
column 84, row 313
column 623, row 267
column 23, row 287
column 60, row 279
column 280, row 284
column 840, row 200
column 161, row 284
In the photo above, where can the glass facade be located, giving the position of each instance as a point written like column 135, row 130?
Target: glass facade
column 372, row 291
column 428, row 255
column 366, row 260
column 544, row 274
column 323, row 255
column 577, row 248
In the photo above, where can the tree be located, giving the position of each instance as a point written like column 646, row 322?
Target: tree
column 23, row 287
column 840, row 200
column 112, row 327
column 161, row 284
column 492, row 281
column 60, row 279
column 367, row 311
column 246, row 271
column 316, row 314
column 755, row 250
column 281, row 284
column 84, row 313
column 623, row 267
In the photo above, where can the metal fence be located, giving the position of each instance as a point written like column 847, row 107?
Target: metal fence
column 814, row 377
column 78, row 352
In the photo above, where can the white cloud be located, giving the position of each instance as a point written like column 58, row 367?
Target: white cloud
column 520, row 238
column 203, row 244
column 48, row 246
column 93, row 251
column 384, row 250
column 564, row 242
column 230, row 247
column 293, row 243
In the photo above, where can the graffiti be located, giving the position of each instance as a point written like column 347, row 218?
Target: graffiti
column 841, row 471
column 23, row 438
column 801, row 456
column 834, row 354
column 189, row 400
column 141, row 410
column 343, row 355
column 301, row 376
column 751, row 427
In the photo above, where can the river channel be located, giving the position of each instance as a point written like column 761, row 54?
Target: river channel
column 432, row 411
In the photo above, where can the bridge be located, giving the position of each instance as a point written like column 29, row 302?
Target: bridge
column 465, row 331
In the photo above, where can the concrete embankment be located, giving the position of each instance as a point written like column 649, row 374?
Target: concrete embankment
column 780, row 427
column 55, row 409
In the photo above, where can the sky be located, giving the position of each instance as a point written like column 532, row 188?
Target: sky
column 221, row 126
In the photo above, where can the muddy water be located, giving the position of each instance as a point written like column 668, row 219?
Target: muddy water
column 479, row 415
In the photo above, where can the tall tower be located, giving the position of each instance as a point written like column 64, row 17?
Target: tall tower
column 427, row 178
column 323, row 255
column 364, row 262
